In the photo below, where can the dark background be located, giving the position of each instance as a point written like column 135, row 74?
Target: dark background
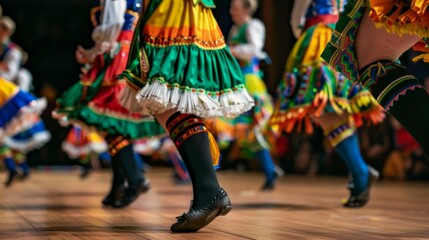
column 49, row 31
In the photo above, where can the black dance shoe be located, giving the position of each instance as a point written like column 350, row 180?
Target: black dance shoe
column 194, row 220
column 11, row 178
column 356, row 201
column 113, row 196
column 85, row 172
column 268, row 186
column 24, row 176
column 132, row 193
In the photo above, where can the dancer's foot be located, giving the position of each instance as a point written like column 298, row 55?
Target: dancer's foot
column 132, row 192
column 361, row 199
column 85, row 172
column 11, row 178
column 268, row 186
column 113, row 196
column 24, row 176
column 194, row 220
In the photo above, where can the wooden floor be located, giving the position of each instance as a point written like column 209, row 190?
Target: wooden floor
column 58, row 205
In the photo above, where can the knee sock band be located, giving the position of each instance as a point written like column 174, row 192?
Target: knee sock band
column 338, row 132
column 184, row 126
column 116, row 143
column 387, row 80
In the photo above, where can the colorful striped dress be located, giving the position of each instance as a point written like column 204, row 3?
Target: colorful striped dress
column 93, row 101
column 19, row 110
column 179, row 60
column 310, row 87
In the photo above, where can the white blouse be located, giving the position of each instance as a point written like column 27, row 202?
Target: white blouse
column 12, row 60
column 255, row 36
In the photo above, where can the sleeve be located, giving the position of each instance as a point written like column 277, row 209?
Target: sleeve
column 255, row 37
column 13, row 62
column 298, row 16
column 24, row 80
column 112, row 19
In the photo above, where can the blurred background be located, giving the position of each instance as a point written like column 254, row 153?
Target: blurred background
column 49, row 31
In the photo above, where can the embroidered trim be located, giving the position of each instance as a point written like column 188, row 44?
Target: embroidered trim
column 339, row 132
column 187, row 123
column 378, row 76
column 117, row 143
column 182, row 138
column 183, row 40
column 173, row 124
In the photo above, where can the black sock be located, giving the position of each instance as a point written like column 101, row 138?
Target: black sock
column 129, row 166
column 191, row 137
column 401, row 95
column 122, row 149
column 118, row 178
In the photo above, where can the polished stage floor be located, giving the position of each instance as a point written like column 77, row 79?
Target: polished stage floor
column 58, row 205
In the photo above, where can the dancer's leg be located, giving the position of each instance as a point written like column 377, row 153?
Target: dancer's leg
column 122, row 148
column 341, row 134
column 192, row 139
column 266, row 161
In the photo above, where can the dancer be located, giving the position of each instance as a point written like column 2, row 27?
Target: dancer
column 311, row 91
column 80, row 144
column 246, row 40
column 182, row 72
column 92, row 102
column 20, row 124
column 19, row 110
column 369, row 38
column 25, row 131
column 15, row 148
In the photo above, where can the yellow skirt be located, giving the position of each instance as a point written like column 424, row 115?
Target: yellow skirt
column 7, row 90
column 182, row 23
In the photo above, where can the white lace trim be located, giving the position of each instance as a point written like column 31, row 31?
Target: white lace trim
column 156, row 98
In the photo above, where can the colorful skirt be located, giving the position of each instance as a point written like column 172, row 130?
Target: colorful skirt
column 249, row 128
column 179, row 60
column 30, row 139
column 79, row 143
column 397, row 16
column 93, row 102
column 19, row 110
column 311, row 88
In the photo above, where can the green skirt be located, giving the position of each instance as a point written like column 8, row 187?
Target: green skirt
column 179, row 60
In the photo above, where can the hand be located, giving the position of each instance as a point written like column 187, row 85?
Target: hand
column 233, row 52
column 84, row 56
column 83, row 71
